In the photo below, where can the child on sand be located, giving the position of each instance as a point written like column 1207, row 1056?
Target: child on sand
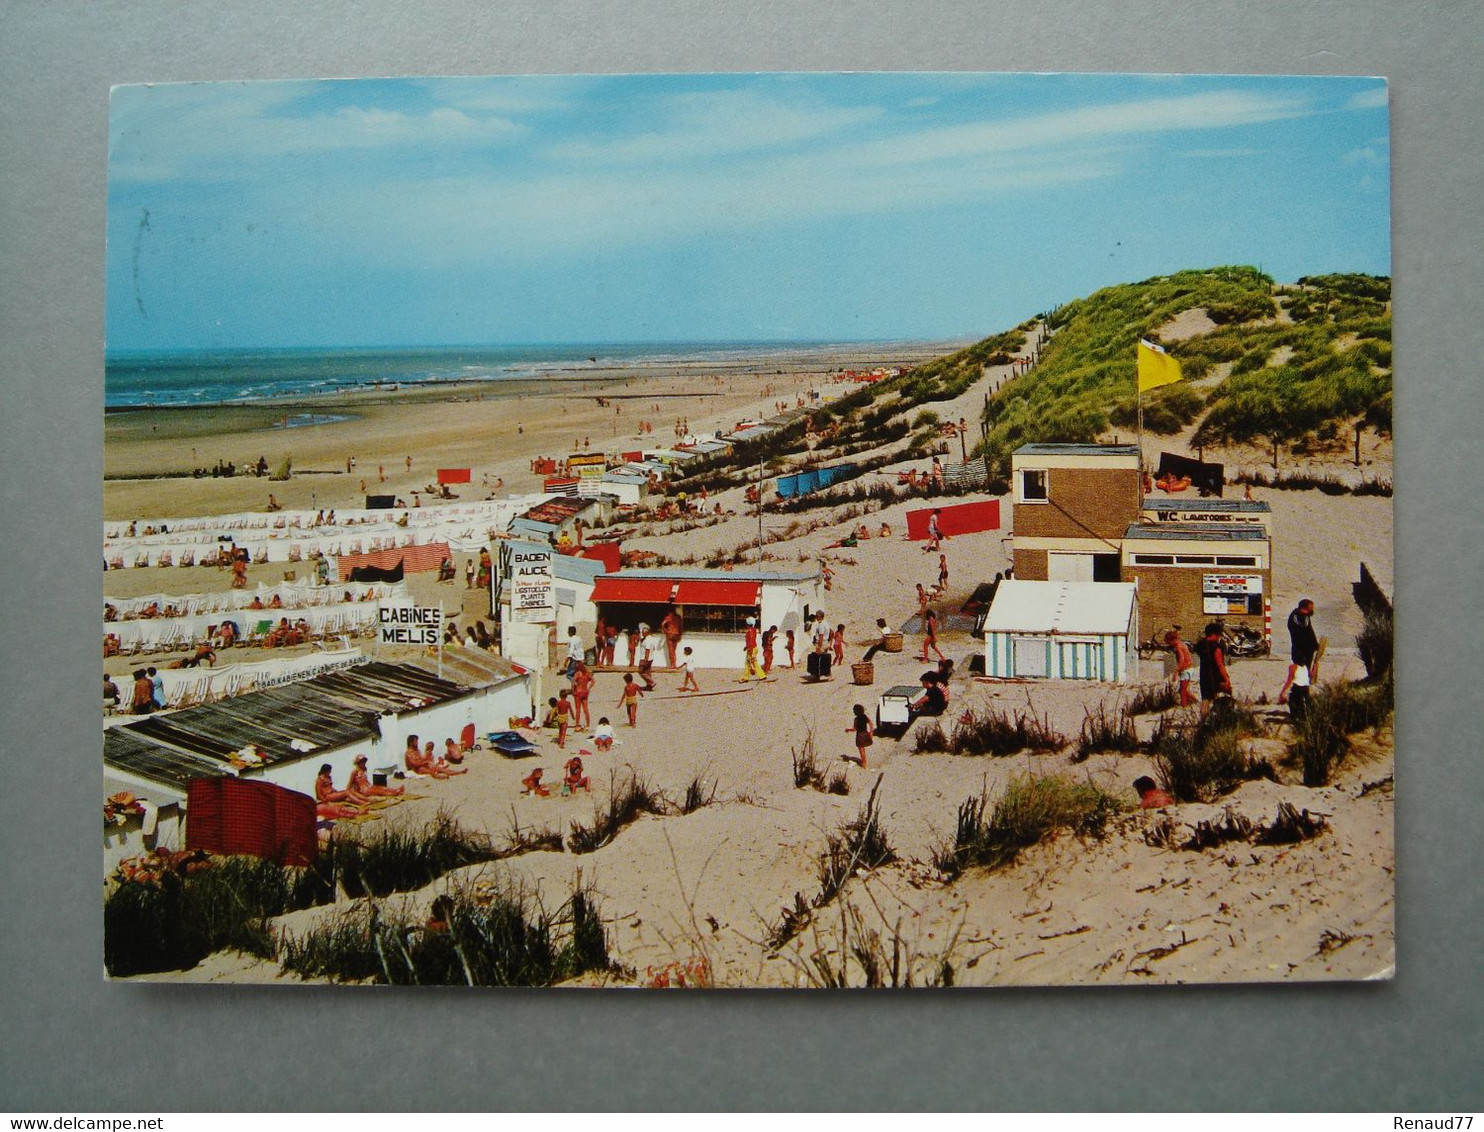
column 563, row 714
column 532, row 784
column 689, row 683
column 930, row 634
column 603, row 734
column 861, row 726
column 629, row 698
column 575, row 779
column 788, row 644
column 837, row 642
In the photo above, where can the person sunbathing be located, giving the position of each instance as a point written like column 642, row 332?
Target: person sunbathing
column 275, row 602
column 452, row 752
column 255, row 603
column 429, row 764
column 202, row 652
column 361, row 786
column 324, row 787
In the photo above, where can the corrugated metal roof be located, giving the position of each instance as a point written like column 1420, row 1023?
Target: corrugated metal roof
column 1077, row 450
column 329, row 710
column 139, row 755
column 1213, row 505
column 1061, row 607
column 1198, row 532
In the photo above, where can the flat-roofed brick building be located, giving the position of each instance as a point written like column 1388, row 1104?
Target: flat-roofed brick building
column 1073, row 503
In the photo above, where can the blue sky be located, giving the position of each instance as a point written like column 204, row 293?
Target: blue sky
column 644, row 208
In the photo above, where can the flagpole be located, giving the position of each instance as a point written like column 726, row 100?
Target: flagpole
column 1139, row 400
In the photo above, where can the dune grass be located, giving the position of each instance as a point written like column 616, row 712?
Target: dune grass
column 1201, row 761
column 990, row 733
column 176, row 920
column 628, row 800
column 1321, row 741
column 1105, row 730
column 1028, row 811
column 500, row 938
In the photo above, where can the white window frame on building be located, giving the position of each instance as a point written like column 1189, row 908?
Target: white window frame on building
column 1043, row 479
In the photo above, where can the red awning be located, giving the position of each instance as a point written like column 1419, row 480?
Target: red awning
column 651, row 591
column 719, row 593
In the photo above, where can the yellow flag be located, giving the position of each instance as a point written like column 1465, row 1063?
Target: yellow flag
column 1156, row 367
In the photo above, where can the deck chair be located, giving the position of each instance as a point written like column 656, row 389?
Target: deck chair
column 259, row 631
column 467, row 741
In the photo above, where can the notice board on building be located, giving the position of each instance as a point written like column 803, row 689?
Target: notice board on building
column 404, row 624
column 1231, row 594
column 532, row 584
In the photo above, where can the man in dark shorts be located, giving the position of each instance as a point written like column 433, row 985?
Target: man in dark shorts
column 1304, row 643
column 1215, row 680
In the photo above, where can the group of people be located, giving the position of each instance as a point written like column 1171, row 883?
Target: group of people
column 424, row 760
column 355, row 798
column 148, row 694
column 1203, row 666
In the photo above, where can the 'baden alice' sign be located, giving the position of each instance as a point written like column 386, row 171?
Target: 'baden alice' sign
column 409, row 624
column 532, row 585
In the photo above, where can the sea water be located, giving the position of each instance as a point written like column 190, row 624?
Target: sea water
column 198, row 377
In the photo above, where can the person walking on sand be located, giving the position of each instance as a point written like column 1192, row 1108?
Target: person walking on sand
column 930, row 635
column 582, row 686
column 1215, row 680
column 752, row 668
column 688, row 684
column 942, row 572
column 770, row 637
column 922, row 601
column 861, row 727
column 628, row 699
column 563, row 715
column 788, row 645
column 469, row 574
column 935, row 532
column 1303, row 642
column 837, row 644
column 1185, row 670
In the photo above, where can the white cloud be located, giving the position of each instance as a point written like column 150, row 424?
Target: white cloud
column 1214, row 110
column 711, row 124
column 1374, row 154
column 1373, row 98
column 1237, row 151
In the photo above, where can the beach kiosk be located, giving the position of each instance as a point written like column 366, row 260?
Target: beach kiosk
column 714, row 605
column 1063, row 631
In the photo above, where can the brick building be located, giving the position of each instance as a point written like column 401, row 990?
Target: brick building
column 1079, row 517
column 1189, row 574
column 1073, row 503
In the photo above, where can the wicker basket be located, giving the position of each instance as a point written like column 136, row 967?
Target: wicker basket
column 863, row 673
column 891, row 642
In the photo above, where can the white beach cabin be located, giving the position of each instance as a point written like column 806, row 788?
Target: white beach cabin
column 1063, row 631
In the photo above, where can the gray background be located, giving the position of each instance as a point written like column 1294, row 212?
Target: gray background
column 68, row 1041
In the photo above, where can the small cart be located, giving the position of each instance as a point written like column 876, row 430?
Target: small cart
column 894, row 712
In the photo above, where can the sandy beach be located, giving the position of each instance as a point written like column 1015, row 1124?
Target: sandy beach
column 710, row 885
